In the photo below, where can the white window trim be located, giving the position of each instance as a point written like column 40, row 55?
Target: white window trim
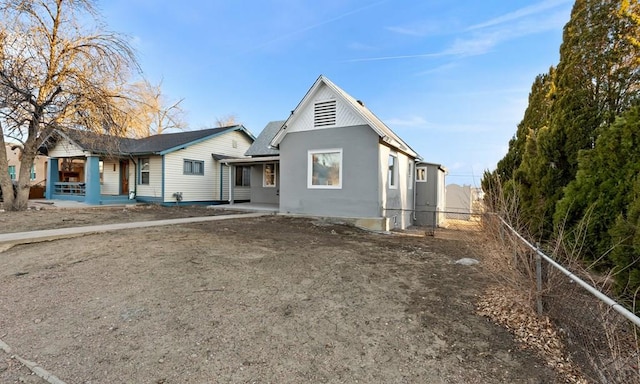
column 425, row 175
column 147, row 171
column 264, row 176
column 311, row 152
column 395, row 171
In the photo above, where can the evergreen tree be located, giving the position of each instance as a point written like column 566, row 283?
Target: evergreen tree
column 596, row 81
column 603, row 188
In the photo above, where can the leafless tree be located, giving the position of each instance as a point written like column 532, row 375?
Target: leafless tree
column 56, row 72
column 227, row 121
column 145, row 111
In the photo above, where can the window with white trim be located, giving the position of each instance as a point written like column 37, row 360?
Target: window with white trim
column 12, row 172
column 243, row 176
column 324, row 113
column 32, row 172
column 193, row 167
column 143, row 177
column 410, row 174
column 324, row 169
column 393, row 171
column 269, row 175
column 421, row 175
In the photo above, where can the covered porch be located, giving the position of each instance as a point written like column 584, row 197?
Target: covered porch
column 90, row 179
column 264, row 181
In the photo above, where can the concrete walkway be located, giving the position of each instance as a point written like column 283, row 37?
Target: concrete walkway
column 10, row 239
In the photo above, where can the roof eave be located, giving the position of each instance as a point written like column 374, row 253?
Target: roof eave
column 205, row 138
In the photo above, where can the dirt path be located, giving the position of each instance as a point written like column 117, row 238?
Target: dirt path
column 271, row 299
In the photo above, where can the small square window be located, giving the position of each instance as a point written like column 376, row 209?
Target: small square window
column 421, row 175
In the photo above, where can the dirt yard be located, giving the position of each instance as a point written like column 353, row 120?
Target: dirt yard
column 256, row 300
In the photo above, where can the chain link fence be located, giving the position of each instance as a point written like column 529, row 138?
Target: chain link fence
column 600, row 335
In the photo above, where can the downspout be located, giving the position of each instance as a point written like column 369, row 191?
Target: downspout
column 415, row 194
column 221, row 180
column 135, row 176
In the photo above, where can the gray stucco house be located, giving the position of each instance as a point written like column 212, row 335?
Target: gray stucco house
column 334, row 158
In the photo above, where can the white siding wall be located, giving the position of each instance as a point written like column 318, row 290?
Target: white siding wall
column 65, row 148
column 345, row 117
column 154, row 188
column 206, row 187
column 110, row 178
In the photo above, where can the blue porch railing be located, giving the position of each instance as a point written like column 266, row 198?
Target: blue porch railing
column 72, row 189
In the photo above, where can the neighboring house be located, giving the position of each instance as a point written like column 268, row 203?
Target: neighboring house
column 430, row 194
column 37, row 174
column 334, row 158
column 172, row 168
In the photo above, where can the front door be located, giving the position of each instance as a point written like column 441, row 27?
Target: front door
column 124, row 177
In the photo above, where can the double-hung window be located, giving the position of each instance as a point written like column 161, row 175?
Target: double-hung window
column 324, row 169
column 144, row 170
column 193, row 167
column 12, row 172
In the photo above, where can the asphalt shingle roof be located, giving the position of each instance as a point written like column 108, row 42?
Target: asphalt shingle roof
column 148, row 145
column 262, row 147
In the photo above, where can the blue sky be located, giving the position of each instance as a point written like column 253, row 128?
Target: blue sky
column 450, row 77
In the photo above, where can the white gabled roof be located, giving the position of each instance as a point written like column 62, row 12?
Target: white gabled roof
column 372, row 120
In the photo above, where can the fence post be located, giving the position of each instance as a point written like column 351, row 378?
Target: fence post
column 538, row 280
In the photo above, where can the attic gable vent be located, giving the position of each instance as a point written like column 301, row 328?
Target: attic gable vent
column 324, row 113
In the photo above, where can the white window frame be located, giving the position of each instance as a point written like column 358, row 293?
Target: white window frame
column 421, row 179
column 265, row 182
column 12, row 172
column 392, row 174
column 310, row 154
column 145, row 166
column 410, row 174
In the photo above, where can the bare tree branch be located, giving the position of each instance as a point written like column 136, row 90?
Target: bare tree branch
column 56, row 73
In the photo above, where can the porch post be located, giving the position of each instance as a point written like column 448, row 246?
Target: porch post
column 92, row 180
column 232, row 182
column 52, row 177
